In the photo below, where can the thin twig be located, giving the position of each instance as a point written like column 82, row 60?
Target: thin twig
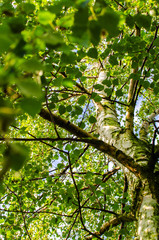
column 120, row 4
column 25, row 226
column 78, row 198
column 69, row 232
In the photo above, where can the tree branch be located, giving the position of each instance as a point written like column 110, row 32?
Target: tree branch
column 34, row 212
column 131, row 95
column 114, row 222
column 117, row 154
column 156, row 151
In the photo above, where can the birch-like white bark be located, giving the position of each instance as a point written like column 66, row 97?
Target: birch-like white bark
column 145, row 125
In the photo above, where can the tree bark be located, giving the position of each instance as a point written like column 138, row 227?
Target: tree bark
column 148, row 218
column 145, row 199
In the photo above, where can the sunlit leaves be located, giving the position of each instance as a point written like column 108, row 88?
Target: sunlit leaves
column 66, row 21
column 46, row 17
column 51, row 55
column 68, row 83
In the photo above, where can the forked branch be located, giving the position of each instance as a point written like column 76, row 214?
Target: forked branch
column 112, row 223
column 112, row 151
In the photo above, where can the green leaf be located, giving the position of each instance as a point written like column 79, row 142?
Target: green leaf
column 156, row 90
column 62, row 109
column 68, row 83
column 107, row 82
column 81, row 100
column 52, row 40
column 92, row 53
column 98, row 181
column 81, row 17
column 108, row 91
column 78, row 110
column 69, row 58
column 17, row 24
column 145, row 84
column 5, row 39
column 69, row 108
column 80, row 23
column 143, row 20
column 46, row 17
column 2, row 190
column 58, row 81
column 32, row 106
column 28, row 8
column 115, row 82
column 30, row 88
column 68, row 147
column 113, row 60
column 156, row 42
column 66, row 21
column 95, row 31
column 96, row 97
column 105, row 53
column 31, row 65
column 60, row 165
column 92, row 119
column 4, row 43
column 109, row 20
column 130, row 21
column 99, row 87
column 119, row 93
column 16, row 155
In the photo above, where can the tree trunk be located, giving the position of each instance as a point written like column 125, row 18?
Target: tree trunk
column 148, row 219
column 143, row 190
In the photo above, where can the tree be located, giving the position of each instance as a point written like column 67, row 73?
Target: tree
column 79, row 127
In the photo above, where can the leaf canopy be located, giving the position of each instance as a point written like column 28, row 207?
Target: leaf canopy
column 51, row 55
